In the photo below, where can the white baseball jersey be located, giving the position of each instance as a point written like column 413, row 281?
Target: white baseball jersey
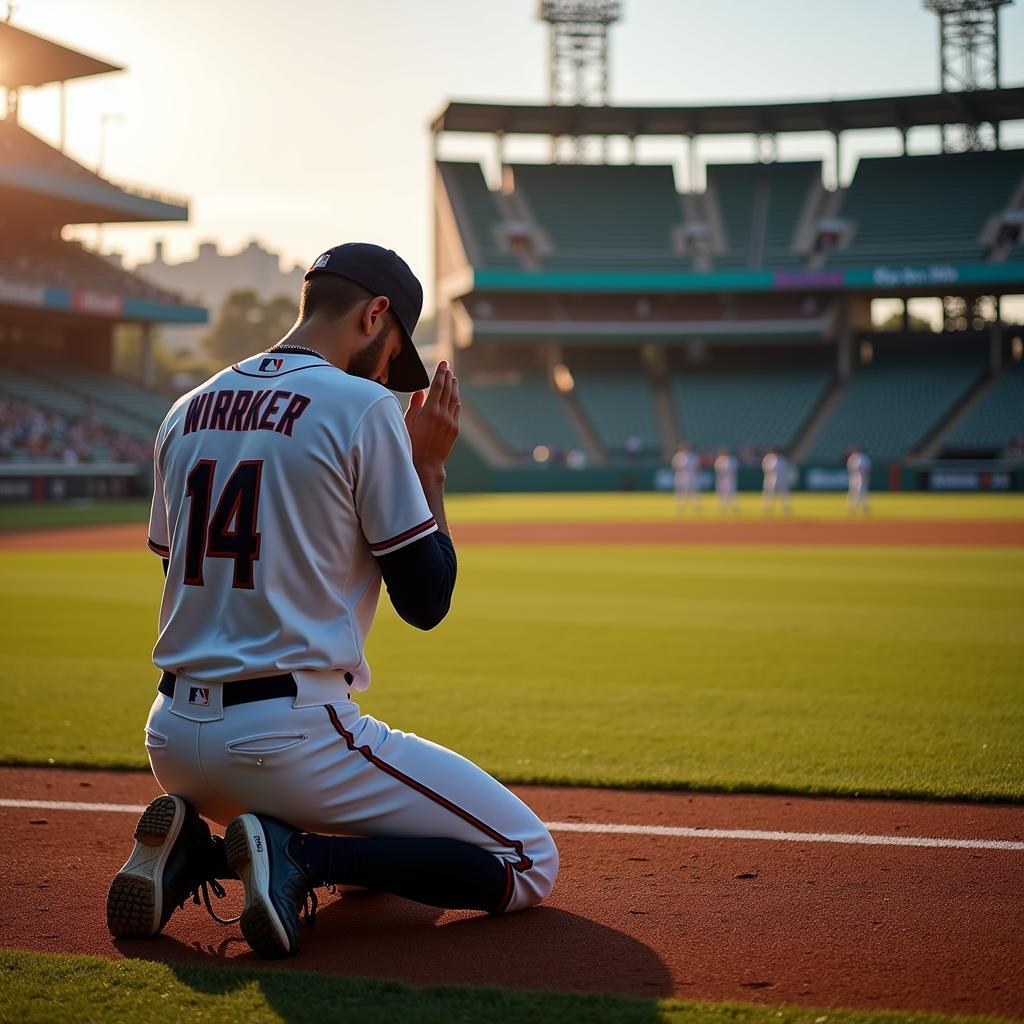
column 858, row 465
column 725, row 471
column 686, row 466
column 276, row 483
column 776, row 472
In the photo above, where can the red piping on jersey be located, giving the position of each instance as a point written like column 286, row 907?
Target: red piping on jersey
column 405, row 536
column 163, row 552
column 523, row 864
column 506, row 896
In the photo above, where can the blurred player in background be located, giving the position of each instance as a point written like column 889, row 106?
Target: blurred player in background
column 776, row 480
column 858, row 465
column 686, row 465
column 726, row 467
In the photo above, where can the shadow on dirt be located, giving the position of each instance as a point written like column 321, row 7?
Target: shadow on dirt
column 366, row 936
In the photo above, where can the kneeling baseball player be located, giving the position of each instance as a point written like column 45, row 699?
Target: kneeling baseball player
column 286, row 487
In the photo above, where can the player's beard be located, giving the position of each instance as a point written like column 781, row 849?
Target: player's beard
column 365, row 362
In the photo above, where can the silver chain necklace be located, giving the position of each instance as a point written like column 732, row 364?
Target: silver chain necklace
column 299, row 348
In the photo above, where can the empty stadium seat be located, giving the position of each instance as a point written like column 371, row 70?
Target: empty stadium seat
column 893, row 404
column 758, row 406
column 604, row 215
column 620, row 407
column 477, row 213
column 523, row 413
column 997, row 419
column 760, row 206
column 916, row 209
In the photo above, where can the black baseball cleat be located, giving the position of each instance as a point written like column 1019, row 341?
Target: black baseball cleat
column 173, row 858
column 277, row 887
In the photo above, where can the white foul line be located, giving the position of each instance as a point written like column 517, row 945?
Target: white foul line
column 845, row 838
column 849, row 838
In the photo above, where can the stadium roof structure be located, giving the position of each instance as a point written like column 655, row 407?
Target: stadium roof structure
column 836, row 116
column 27, row 59
column 40, row 181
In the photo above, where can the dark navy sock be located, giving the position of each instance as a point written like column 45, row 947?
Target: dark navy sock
column 440, row 872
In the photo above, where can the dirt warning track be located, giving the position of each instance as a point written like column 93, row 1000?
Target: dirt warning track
column 775, row 904
column 967, row 533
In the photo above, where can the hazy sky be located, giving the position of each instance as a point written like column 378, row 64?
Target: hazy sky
column 305, row 123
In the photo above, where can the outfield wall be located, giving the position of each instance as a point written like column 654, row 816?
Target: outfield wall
column 473, row 476
column 51, row 482
column 55, row 482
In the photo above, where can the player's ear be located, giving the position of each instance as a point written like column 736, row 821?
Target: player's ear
column 373, row 313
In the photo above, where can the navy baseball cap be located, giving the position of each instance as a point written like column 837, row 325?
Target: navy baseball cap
column 383, row 272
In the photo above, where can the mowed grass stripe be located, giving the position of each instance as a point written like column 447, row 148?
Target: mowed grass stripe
column 661, row 507
column 90, row 989
column 807, row 670
column 591, row 508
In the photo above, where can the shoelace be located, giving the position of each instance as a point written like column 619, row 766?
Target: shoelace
column 218, row 891
column 307, row 911
column 309, row 904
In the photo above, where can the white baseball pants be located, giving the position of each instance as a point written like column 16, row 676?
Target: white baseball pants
column 322, row 766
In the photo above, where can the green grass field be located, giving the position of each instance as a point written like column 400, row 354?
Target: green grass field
column 89, row 989
column 801, row 669
column 798, row 669
column 583, row 508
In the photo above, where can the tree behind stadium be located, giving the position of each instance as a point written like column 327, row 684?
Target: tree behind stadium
column 245, row 324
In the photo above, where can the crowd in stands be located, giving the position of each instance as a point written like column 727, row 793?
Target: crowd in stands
column 29, row 433
column 40, row 259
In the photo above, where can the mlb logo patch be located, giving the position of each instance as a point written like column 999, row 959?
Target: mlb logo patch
column 270, row 365
column 199, row 695
column 321, row 261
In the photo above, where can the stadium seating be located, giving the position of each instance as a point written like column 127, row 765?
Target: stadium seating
column 759, row 206
column 604, row 216
column 149, row 407
column 620, row 407
column 893, row 404
column 39, row 258
column 115, row 404
column 756, row 406
column 523, row 412
column 477, row 213
column 915, row 209
column 997, row 419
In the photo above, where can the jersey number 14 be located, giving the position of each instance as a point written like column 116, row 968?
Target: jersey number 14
column 231, row 531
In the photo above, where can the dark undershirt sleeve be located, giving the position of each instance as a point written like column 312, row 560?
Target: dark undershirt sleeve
column 420, row 579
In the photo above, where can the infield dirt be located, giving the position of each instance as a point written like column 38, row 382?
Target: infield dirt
column 815, row 924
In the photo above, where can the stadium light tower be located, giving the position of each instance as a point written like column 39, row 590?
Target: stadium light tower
column 968, row 60
column 578, row 57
